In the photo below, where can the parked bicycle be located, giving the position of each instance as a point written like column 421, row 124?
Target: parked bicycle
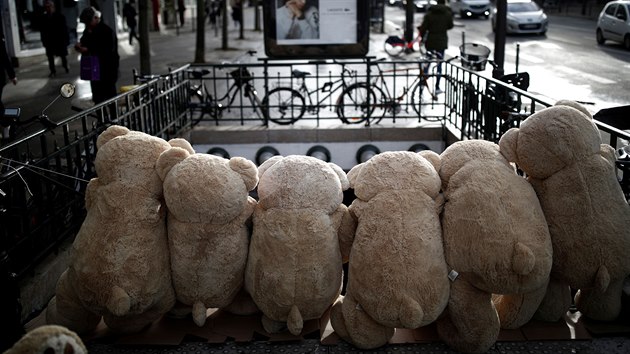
column 204, row 102
column 286, row 104
column 384, row 99
column 396, row 45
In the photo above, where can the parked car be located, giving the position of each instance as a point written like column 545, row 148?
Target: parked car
column 523, row 16
column 421, row 5
column 394, row 2
column 614, row 23
column 470, row 8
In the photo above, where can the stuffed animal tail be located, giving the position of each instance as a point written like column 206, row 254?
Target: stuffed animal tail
column 295, row 321
column 119, row 302
column 199, row 313
column 524, row 259
column 411, row 314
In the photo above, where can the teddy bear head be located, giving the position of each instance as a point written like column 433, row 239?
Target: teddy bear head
column 113, row 163
column 396, row 170
column 551, row 139
column 203, row 187
column 298, row 182
column 456, row 156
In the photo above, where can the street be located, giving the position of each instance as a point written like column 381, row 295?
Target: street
column 567, row 63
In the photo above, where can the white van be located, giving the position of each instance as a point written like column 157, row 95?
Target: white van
column 469, row 8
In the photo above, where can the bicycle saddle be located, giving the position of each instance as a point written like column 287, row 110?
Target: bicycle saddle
column 519, row 80
column 198, row 74
column 300, row 74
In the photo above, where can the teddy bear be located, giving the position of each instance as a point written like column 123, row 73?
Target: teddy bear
column 209, row 207
column 496, row 241
column 49, row 339
column 300, row 235
column 574, row 175
column 119, row 267
column 397, row 275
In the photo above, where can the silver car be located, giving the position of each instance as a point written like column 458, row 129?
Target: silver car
column 523, row 16
column 614, row 23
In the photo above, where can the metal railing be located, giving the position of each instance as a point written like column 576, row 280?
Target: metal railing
column 44, row 175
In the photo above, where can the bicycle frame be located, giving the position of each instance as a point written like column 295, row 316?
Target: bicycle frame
column 329, row 88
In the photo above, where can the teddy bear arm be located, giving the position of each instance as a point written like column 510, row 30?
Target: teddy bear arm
column 91, row 192
column 515, row 310
column 66, row 309
column 247, row 212
column 472, row 323
column 347, row 227
column 354, row 325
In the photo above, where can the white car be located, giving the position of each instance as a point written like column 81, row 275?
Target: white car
column 523, row 16
column 614, row 23
column 470, row 8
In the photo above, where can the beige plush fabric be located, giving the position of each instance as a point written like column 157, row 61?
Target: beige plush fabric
column 208, row 210
column 397, row 274
column 49, row 339
column 294, row 265
column 120, row 261
column 496, row 238
column 574, row 176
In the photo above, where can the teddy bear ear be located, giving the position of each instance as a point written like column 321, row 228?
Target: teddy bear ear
column 433, row 158
column 182, row 143
column 575, row 105
column 168, row 159
column 343, row 178
column 109, row 134
column 247, row 170
column 507, row 145
column 354, row 172
column 268, row 163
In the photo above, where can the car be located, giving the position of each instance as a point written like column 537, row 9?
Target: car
column 470, row 8
column 613, row 23
column 394, row 2
column 421, row 5
column 523, row 16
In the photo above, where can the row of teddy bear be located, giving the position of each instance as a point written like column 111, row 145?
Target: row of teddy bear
column 458, row 238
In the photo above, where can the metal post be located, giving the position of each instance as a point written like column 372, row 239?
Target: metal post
column 499, row 38
column 409, row 12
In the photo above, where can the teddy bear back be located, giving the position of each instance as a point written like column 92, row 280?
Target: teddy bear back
column 492, row 211
column 394, row 170
column 204, row 188
column 300, row 182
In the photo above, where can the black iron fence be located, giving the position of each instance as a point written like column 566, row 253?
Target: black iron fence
column 44, row 175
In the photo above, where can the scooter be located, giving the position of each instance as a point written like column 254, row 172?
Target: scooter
column 12, row 124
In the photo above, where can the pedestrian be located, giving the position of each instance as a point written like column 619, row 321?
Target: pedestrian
column 129, row 13
column 100, row 40
column 297, row 19
column 237, row 11
column 181, row 8
column 434, row 28
column 55, row 38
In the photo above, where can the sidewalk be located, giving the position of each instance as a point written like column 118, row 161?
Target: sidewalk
column 170, row 48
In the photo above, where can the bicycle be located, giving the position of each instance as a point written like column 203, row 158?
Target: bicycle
column 286, row 104
column 384, row 100
column 396, row 45
column 203, row 101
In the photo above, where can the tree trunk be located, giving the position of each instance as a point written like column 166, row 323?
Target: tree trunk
column 224, row 25
column 143, row 31
column 200, row 45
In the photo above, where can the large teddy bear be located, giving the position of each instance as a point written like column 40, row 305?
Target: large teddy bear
column 397, row 274
column 496, row 241
column 120, row 265
column 574, row 175
column 209, row 206
column 301, row 232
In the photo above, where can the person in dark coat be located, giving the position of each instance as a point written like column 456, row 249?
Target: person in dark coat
column 54, row 34
column 100, row 40
column 434, row 28
column 130, row 13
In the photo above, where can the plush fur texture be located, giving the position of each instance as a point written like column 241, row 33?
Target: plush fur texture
column 496, row 238
column 209, row 208
column 120, row 261
column 397, row 274
column 294, row 265
column 49, row 339
column 574, row 176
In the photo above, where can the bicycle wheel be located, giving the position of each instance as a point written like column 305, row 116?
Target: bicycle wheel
column 416, row 100
column 394, row 48
column 356, row 103
column 284, row 105
column 256, row 103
